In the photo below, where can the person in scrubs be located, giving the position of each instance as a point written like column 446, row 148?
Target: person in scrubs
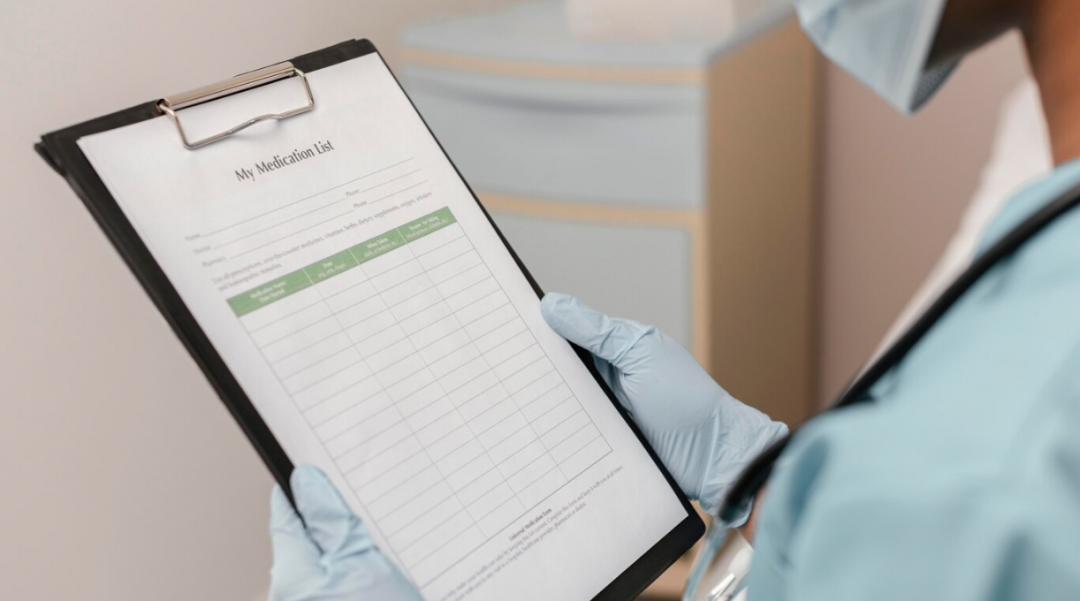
column 960, row 481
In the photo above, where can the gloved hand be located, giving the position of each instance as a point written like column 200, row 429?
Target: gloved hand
column 333, row 558
column 701, row 433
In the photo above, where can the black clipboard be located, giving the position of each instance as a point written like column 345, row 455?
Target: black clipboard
column 61, row 151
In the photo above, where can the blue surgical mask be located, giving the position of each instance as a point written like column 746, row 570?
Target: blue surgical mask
column 884, row 43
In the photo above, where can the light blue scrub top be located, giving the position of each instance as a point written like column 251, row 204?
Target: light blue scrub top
column 961, row 481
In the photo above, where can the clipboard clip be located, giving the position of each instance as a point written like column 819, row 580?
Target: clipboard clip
column 263, row 76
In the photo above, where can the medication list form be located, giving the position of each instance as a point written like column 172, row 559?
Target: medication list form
column 379, row 325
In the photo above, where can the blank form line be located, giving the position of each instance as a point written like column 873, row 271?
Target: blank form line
column 394, row 193
column 297, row 331
column 328, row 376
column 477, row 479
column 538, row 478
column 341, row 390
column 360, row 302
column 515, row 317
column 508, row 341
column 526, row 466
column 363, row 401
column 513, row 392
column 368, row 318
column 508, row 437
column 448, row 353
column 320, row 361
column 561, row 403
column 500, row 505
column 416, row 392
column 422, row 536
column 338, row 216
column 496, row 424
column 506, row 360
column 561, row 422
column 468, row 463
column 302, row 349
column 218, row 231
column 344, row 290
column 492, row 407
column 519, row 516
column 541, row 395
column 372, row 416
column 380, row 453
column 462, row 254
column 451, row 539
column 441, row 338
column 443, row 436
column 419, row 409
column 436, row 420
column 490, row 311
column 403, row 378
column 418, row 311
column 390, row 491
column 284, row 317
column 399, row 530
column 469, row 381
column 456, row 275
column 477, row 395
column 371, row 353
column 474, row 284
column 391, row 181
column 278, row 224
column 431, row 250
column 406, row 281
column 563, row 441
column 390, row 469
column 419, row 495
column 451, row 452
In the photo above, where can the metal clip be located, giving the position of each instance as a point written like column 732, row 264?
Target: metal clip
column 266, row 75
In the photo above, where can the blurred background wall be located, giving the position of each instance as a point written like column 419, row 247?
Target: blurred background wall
column 122, row 477
column 891, row 190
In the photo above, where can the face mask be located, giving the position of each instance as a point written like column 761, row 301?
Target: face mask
column 884, row 43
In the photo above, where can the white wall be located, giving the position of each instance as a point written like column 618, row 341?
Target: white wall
column 121, row 476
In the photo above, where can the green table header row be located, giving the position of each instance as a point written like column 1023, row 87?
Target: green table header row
column 294, row 282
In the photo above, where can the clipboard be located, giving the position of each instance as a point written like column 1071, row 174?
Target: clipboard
column 61, row 151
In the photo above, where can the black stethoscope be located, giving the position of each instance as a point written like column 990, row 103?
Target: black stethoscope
column 742, row 493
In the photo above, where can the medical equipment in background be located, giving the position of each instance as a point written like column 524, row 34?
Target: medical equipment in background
column 663, row 155
column 660, row 154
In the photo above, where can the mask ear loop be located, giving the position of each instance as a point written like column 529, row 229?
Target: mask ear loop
column 749, row 483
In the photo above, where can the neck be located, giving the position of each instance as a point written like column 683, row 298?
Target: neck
column 1052, row 36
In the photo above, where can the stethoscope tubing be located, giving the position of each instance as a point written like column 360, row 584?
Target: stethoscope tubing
column 758, row 471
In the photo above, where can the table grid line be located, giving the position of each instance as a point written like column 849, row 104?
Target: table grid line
column 519, row 516
column 413, row 345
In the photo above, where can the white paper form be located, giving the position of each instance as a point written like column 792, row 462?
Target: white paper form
column 384, row 333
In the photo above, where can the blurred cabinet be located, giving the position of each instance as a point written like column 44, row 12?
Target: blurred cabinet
column 668, row 182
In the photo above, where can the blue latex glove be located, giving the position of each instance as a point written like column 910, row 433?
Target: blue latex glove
column 701, row 433
column 333, row 558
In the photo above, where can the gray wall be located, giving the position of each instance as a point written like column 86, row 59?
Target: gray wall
column 892, row 189
column 122, row 476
